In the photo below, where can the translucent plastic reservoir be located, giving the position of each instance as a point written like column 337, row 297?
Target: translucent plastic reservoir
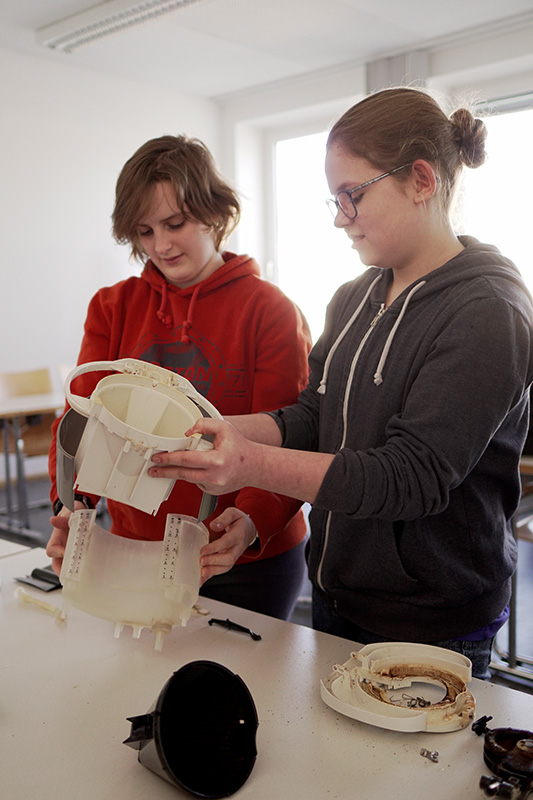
column 132, row 582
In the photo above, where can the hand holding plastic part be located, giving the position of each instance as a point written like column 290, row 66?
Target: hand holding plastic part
column 233, row 626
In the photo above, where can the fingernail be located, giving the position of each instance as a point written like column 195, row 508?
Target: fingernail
column 156, row 459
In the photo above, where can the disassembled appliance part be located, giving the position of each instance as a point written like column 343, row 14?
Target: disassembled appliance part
column 200, row 733
column 508, row 752
column 234, row 626
column 104, row 447
column 370, row 687
column 132, row 582
column 36, row 602
column 127, row 419
column 432, row 755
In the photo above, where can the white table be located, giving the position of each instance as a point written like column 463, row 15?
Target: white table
column 11, row 548
column 66, row 690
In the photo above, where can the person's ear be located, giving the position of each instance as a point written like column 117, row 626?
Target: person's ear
column 423, row 179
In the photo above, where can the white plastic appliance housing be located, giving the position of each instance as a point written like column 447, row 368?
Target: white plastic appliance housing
column 144, row 584
column 371, row 685
column 131, row 416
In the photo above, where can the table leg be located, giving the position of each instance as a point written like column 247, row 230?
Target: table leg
column 23, row 513
column 14, row 519
column 9, row 501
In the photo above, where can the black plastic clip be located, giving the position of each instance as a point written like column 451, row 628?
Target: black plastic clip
column 480, row 726
column 233, row 626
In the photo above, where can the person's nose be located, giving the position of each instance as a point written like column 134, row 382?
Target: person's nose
column 341, row 220
column 162, row 241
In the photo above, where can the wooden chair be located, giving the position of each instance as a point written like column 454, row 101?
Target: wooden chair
column 17, row 384
column 28, row 435
column 34, row 428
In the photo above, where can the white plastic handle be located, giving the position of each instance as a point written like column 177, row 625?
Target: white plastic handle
column 133, row 366
column 83, row 405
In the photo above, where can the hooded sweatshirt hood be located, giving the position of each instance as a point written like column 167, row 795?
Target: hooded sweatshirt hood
column 234, row 267
column 462, row 268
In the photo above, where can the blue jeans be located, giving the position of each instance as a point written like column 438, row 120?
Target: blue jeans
column 327, row 619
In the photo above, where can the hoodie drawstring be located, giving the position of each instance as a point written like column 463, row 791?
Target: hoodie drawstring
column 187, row 323
column 378, row 377
column 166, row 318
column 162, row 315
column 322, row 386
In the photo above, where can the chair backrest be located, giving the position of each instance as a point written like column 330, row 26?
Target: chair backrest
column 35, row 431
column 17, row 384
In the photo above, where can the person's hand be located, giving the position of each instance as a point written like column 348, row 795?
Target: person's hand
column 220, row 555
column 226, row 468
column 55, row 549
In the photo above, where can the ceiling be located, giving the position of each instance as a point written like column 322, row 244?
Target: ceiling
column 213, row 48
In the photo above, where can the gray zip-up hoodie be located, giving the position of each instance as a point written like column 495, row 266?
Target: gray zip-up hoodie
column 425, row 405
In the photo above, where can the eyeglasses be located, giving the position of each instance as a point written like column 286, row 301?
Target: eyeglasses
column 344, row 200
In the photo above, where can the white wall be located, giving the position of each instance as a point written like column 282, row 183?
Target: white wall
column 67, row 131
column 65, row 135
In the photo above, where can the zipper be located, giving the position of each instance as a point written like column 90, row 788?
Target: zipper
column 348, row 386
column 378, row 316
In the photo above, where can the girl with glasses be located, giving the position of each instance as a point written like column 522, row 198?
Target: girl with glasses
column 407, row 438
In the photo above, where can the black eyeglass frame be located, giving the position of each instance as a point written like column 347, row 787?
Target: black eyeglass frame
column 333, row 202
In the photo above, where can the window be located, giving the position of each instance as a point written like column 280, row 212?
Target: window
column 497, row 205
column 314, row 258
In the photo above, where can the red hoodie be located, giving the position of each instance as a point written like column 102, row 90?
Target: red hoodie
column 242, row 344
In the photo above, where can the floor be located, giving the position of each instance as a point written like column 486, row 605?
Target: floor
column 38, row 490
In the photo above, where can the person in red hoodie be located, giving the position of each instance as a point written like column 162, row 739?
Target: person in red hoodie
column 208, row 315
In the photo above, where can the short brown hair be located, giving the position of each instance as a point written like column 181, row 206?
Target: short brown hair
column 399, row 125
column 201, row 193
